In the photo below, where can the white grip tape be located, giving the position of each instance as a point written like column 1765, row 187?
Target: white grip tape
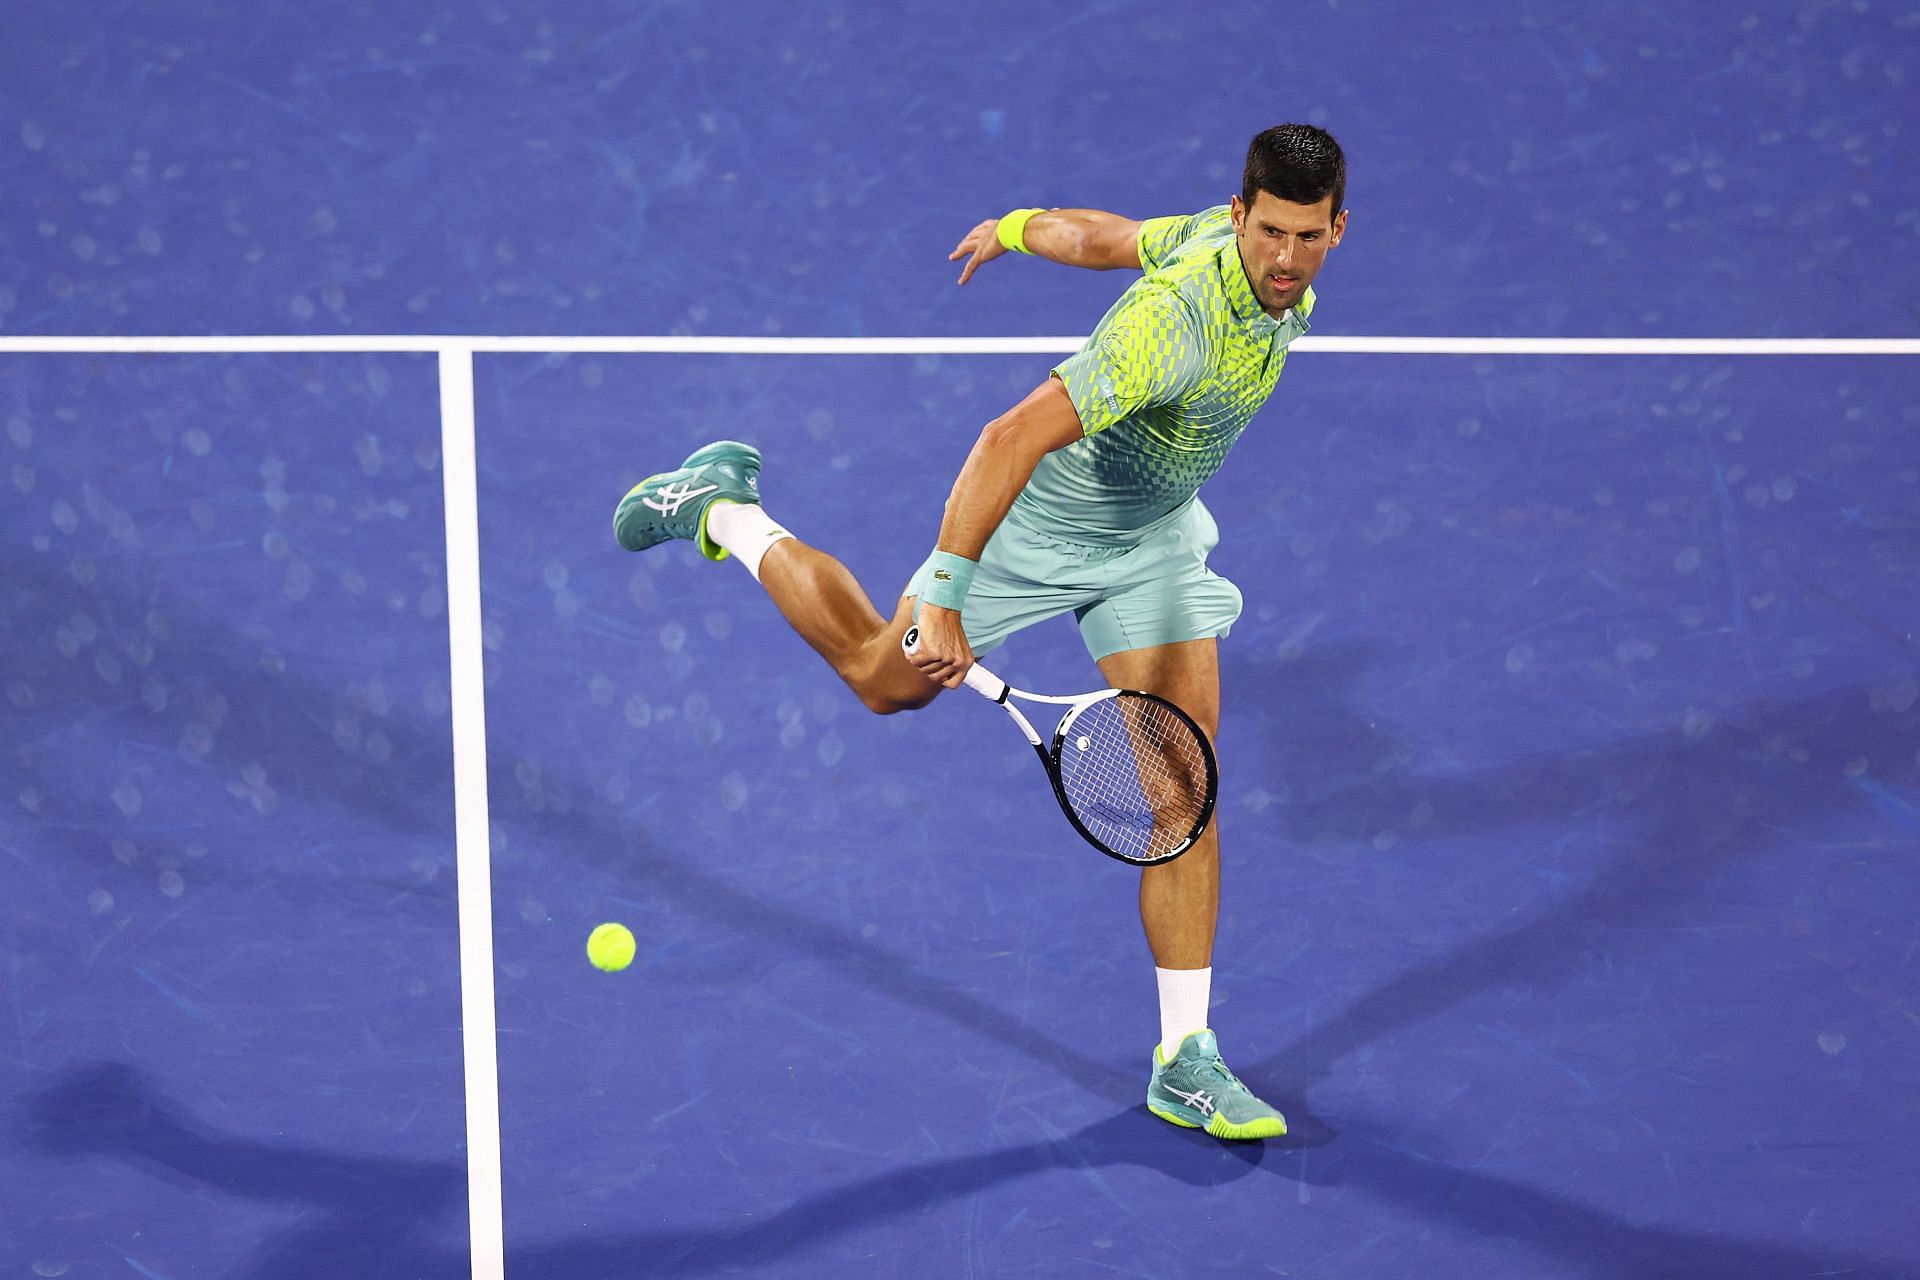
column 984, row 682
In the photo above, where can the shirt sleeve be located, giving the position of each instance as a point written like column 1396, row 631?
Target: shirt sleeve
column 1159, row 237
column 1147, row 354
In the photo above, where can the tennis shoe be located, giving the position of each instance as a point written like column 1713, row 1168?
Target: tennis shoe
column 1195, row 1090
column 674, row 504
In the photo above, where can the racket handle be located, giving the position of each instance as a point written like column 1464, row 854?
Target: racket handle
column 978, row 678
column 985, row 683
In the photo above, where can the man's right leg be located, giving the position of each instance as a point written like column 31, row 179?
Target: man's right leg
column 713, row 500
column 820, row 599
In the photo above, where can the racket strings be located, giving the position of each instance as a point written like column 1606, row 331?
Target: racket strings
column 1136, row 775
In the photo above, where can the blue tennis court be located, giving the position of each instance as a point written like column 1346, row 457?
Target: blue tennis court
column 1570, row 801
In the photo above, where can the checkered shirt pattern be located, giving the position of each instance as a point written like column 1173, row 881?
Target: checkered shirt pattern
column 1164, row 386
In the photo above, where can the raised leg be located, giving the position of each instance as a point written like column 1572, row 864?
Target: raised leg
column 820, row 599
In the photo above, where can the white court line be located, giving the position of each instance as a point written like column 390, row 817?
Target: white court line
column 472, row 847
column 681, row 345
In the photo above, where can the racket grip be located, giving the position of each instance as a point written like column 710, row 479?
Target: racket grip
column 978, row 678
column 985, row 683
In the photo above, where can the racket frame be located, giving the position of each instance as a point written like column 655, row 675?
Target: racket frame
column 999, row 692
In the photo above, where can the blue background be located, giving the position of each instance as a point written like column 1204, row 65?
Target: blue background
column 1521, row 168
column 1571, row 752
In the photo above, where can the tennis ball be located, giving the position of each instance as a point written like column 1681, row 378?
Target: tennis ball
column 610, row 947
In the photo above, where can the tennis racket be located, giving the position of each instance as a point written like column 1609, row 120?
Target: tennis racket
column 1133, row 773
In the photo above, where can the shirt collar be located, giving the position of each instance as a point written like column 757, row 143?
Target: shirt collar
column 1247, row 308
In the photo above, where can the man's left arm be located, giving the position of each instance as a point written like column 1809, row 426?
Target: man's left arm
column 1090, row 238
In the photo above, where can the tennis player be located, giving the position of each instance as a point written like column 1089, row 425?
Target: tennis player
column 1083, row 499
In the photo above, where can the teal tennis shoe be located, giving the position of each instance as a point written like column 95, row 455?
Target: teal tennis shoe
column 674, row 504
column 1196, row 1091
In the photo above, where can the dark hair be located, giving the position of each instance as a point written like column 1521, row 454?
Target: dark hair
column 1298, row 163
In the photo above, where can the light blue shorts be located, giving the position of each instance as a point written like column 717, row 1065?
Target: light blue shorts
column 1158, row 592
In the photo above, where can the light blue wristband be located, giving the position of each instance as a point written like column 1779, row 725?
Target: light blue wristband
column 948, row 580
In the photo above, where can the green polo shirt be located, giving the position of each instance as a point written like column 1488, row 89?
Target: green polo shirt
column 1164, row 386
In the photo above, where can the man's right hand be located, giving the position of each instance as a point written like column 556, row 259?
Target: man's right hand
column 944, row 655
column 983, row 242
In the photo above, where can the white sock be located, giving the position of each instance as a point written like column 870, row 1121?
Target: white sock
column 1184, row 994
column 745, row 530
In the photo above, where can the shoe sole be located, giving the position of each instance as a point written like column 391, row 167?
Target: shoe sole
column 1221, row 1127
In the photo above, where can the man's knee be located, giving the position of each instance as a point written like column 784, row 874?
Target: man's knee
column 884, row 680
column 886, row 702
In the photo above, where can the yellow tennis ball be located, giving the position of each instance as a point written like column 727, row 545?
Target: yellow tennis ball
column 610, row 947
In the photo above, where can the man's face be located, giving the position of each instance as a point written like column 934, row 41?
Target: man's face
column 1283, row 244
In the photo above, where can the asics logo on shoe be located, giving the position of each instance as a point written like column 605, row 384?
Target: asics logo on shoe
column 672, row 497
column 1200, row 1100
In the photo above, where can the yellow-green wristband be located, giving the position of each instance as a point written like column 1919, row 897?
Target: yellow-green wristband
column 1012, row 231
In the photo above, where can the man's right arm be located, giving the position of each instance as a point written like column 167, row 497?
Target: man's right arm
column 998, row 468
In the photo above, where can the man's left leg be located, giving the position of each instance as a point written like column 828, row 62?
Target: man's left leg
column 1179, row 900
column 1179, row 907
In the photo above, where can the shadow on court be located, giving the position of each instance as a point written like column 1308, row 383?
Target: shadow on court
column 1688, row 803
column 288, row 725
column 358, row 1212
column 214, row 679
column 365, row 1216
column 1579, row 1240
column 1680, row 811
